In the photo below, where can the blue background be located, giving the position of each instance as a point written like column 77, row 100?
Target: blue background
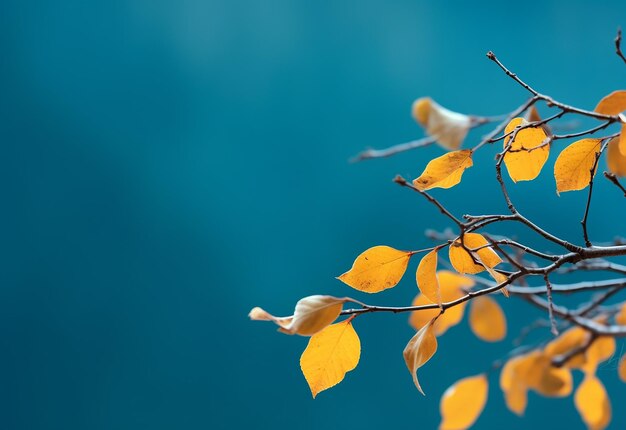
column 166, row 166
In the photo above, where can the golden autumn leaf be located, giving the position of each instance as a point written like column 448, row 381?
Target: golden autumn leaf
column 532, row 371
column 620, row 317
column 377, row 269
column 311, row 315
column 568, row 341
column 426, row 277
column 449, row 128
column 514, row 381
column 463, row 402
column 615, row 160
column 487, row 319
column 444, row 171
column 572, row 169
column 451, row 287
column 621, row 370
column 528, row 153
column 592, row 403
column 463, row 262
column 330, row 354
column 549, row 380
column 419, row 350
column 612, row 104
column 600, row 350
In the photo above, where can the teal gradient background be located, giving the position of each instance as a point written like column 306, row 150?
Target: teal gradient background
column 166, row 166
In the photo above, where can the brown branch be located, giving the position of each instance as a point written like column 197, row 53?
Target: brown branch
column 611, row 177
column 592, row 173
column 393, row 150
column 403, row 182
column 618, row 47
column 553, row 328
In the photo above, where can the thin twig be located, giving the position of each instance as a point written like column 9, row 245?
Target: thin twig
column 618, row 47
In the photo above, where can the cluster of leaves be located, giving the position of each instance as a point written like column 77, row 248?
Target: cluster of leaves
column 334, row 347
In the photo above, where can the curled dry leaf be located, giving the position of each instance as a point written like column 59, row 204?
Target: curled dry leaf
column 426, row 277
column 572, row 169
column 451, row 287
column 615, row 160
column 419, row 350
column 528, row 152
column 463, row 402
column 463, row 262
column 311, row 315
column 445, row 171
column 377, row 269
column 487, row 319
column 449, row 128
column 592, row 403
column 330, row 354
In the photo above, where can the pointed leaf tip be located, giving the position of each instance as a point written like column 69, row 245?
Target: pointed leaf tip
column 419, row 350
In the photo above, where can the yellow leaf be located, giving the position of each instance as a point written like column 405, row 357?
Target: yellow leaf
column 600, row 350
column 451, row 287
column 615, row 160
column 419, row 350
column 567, row 341
column 612, row 104
column 426, row 277
column 620, row 318
column 572, row 169
column 444, row 171
column 548, row 380
column 329, row 355
column 377, row 269
column 514, row 381
column 311, row 315
column 463, row 402
column 486, row 319
column 592, row 403
column 462, row 261
column 622, row 368
column 449, row 128
column 528, row 153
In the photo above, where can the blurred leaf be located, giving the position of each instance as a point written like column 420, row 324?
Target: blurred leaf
column 463, row 402
column 487, row 319
column 449, row 128
column 592, row 403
